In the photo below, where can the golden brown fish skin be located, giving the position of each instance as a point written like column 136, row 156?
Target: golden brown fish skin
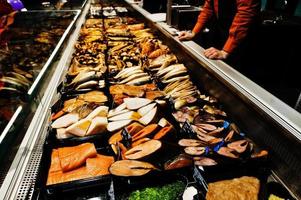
column 144, row 149
column 130, row 168
column 93, row 96
column 244, row 188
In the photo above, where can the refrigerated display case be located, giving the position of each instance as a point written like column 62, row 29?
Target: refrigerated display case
column 30, row 46
column 260, row 116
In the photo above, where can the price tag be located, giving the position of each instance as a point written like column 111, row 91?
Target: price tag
column 126, row 138
column 218, row 146
column 199, row 178
column 226, row 124
column 187, row 130
column 171, row 103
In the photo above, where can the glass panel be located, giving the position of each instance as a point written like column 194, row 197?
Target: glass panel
column 28, row 46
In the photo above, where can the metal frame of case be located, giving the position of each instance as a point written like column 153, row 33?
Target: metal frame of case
column 266, row 119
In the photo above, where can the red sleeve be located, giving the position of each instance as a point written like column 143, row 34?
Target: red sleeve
column 247, row 10
column 203, row 17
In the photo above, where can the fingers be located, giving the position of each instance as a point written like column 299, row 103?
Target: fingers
column 214, row 55
column 182, row 36
column 209, row 52
column 181, row 33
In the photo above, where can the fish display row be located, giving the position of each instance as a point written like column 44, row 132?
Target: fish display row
column 125, row 83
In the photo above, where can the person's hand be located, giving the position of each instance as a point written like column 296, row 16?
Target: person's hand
column 186, row 35
column 213, row 53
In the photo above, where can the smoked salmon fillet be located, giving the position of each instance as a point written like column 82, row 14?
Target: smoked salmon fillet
column 74, row 157
column 61, row 177
column 55, row 162
column 99, row 165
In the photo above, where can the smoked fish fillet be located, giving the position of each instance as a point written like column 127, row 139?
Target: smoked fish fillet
column 74, row 157
column 99, row 165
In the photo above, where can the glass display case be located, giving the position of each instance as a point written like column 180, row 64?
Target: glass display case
column 29, row 47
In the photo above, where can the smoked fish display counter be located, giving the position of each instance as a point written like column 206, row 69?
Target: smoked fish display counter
column 131, row 119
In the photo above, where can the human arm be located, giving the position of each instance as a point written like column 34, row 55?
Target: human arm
column 247, row 11
column 213, row 53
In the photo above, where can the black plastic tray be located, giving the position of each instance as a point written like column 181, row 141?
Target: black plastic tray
column 56, row 191
column 259, row 170
column 66, row 91
column 51, row 139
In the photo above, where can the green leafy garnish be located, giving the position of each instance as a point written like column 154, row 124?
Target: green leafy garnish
column 167, row 192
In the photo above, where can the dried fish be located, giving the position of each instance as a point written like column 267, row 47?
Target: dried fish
column 13, row 83
column 88, row 84
column 174, row 74
column 84, row 76
column 180, row 78
column 140, row 81
column 163, row 71
column 124, row 73
column 214, row 111
column 134, row 77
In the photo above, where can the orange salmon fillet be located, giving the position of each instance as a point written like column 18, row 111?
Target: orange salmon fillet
column 74, row 157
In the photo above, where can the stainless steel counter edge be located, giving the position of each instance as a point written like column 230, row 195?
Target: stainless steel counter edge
column 283, row 114
column 14, row 177
column 274, row 107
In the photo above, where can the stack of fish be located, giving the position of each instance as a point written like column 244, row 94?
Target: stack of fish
column 149, row 91
column 140, row 146
column 215, row 145
column 137, row 109
column 122, row 50
column 77, row 162
column 82, row 116
column 123, row 34
column 131, row 76
column 89, row 55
